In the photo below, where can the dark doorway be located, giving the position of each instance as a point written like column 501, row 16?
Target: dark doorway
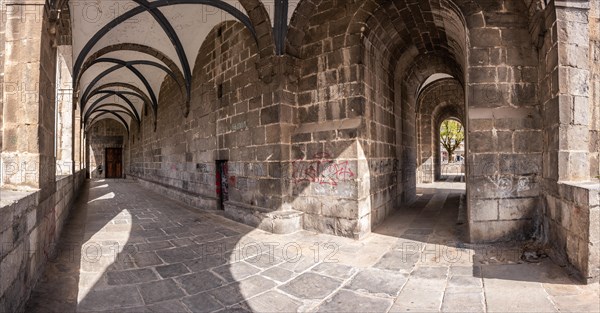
column 114, row 162
column 222, row 183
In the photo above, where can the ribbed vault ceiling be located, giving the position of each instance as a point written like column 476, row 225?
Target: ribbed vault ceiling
column 123, row 49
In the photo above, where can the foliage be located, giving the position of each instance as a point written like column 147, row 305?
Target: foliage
column 452, row 134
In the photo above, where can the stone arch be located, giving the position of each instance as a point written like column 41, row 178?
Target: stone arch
column 438, row 100
column 205, row 97
column 298, row 26
column 398, row 53
column 262, row 25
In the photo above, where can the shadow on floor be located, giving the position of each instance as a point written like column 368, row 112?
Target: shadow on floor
column 127, row 248
column 143, row 252
column 432, row 231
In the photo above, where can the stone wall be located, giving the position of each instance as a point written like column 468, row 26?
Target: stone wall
column 327, row 134
column 107, row 133
column 594, row 54
column 29, row 99
column 64, row 112
column 2, row 38
column 504, row 138
column 569, row 74
column 573, row 227
column 235, row 116
column 333, row 143
column 378, row 141
column 29, row 230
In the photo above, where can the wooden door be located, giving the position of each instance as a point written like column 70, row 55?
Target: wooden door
column 114, row 162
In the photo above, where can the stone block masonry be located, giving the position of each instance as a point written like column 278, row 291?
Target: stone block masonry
column 332, row 133
column 332, row 136
column 29, row 233
column 102, row 135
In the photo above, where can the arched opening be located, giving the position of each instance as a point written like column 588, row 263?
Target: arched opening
column 424, row 70
column 64, row 113
column 451, row 148
column 440, row 100
column 106, row 139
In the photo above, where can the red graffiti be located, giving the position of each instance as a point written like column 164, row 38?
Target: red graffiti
column 323, row 170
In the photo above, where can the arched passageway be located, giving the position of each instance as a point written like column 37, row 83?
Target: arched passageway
column 306, row 119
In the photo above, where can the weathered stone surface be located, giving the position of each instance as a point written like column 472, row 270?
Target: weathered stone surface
column 461, row 302
column 378, row 282
column 278, row 274
column 235, row 271
column 418, row 300
column 201, row 303
column 402, row 261
column 130, row 277
column 328, row 129
column 334, row 270
column 348, row 301
column 311, row 286
column 198, row 282
column 172, row 270
column 119, row 297
column 242, row 289
column 160, row 291
column 272, row 301
column 298, row 285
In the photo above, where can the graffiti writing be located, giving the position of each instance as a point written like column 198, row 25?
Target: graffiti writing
column 507, row 187
column 322, row 170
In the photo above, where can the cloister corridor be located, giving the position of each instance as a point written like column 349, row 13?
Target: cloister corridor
column 129, row 249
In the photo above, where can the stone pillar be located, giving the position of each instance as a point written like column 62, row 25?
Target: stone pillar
column 2, row 26
column 572, row 205
column 64, row 107
column 28, row 111
column 504, row 139
column 573, row 91
column 259, row 188
column 77, row 140
column 425, row 166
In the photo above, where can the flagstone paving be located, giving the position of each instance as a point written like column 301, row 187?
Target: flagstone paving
column 128, row 249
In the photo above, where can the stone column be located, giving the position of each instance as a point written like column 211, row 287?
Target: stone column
column 64, row 107
column 28, row 110
column 573, row 91
column 504, row 139
column 2, row 26
column 572, row 205
column 77, row 140
column 425, row 166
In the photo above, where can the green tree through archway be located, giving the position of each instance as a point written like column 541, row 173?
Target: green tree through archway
column 452, row 134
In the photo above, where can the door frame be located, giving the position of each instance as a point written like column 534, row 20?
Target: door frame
column 106, row 162
column 222, row 182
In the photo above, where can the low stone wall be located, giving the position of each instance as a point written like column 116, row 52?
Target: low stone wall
column 29, row 231
column 277, row 222
column 572, row 222
column 192, row 199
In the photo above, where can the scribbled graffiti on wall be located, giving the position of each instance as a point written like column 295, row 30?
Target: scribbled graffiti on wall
column 508, row 186
column 322, row 170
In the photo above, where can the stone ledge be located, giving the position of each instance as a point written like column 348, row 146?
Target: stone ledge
column 585, row 193
column 196, row 200
column 573, row 226
column 350, row 123
column 277, row 222
column 9, row 197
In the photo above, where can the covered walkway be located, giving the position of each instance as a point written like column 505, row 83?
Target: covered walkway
column 128, row 249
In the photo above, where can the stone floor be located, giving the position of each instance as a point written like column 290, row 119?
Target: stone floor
column 127, row 249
